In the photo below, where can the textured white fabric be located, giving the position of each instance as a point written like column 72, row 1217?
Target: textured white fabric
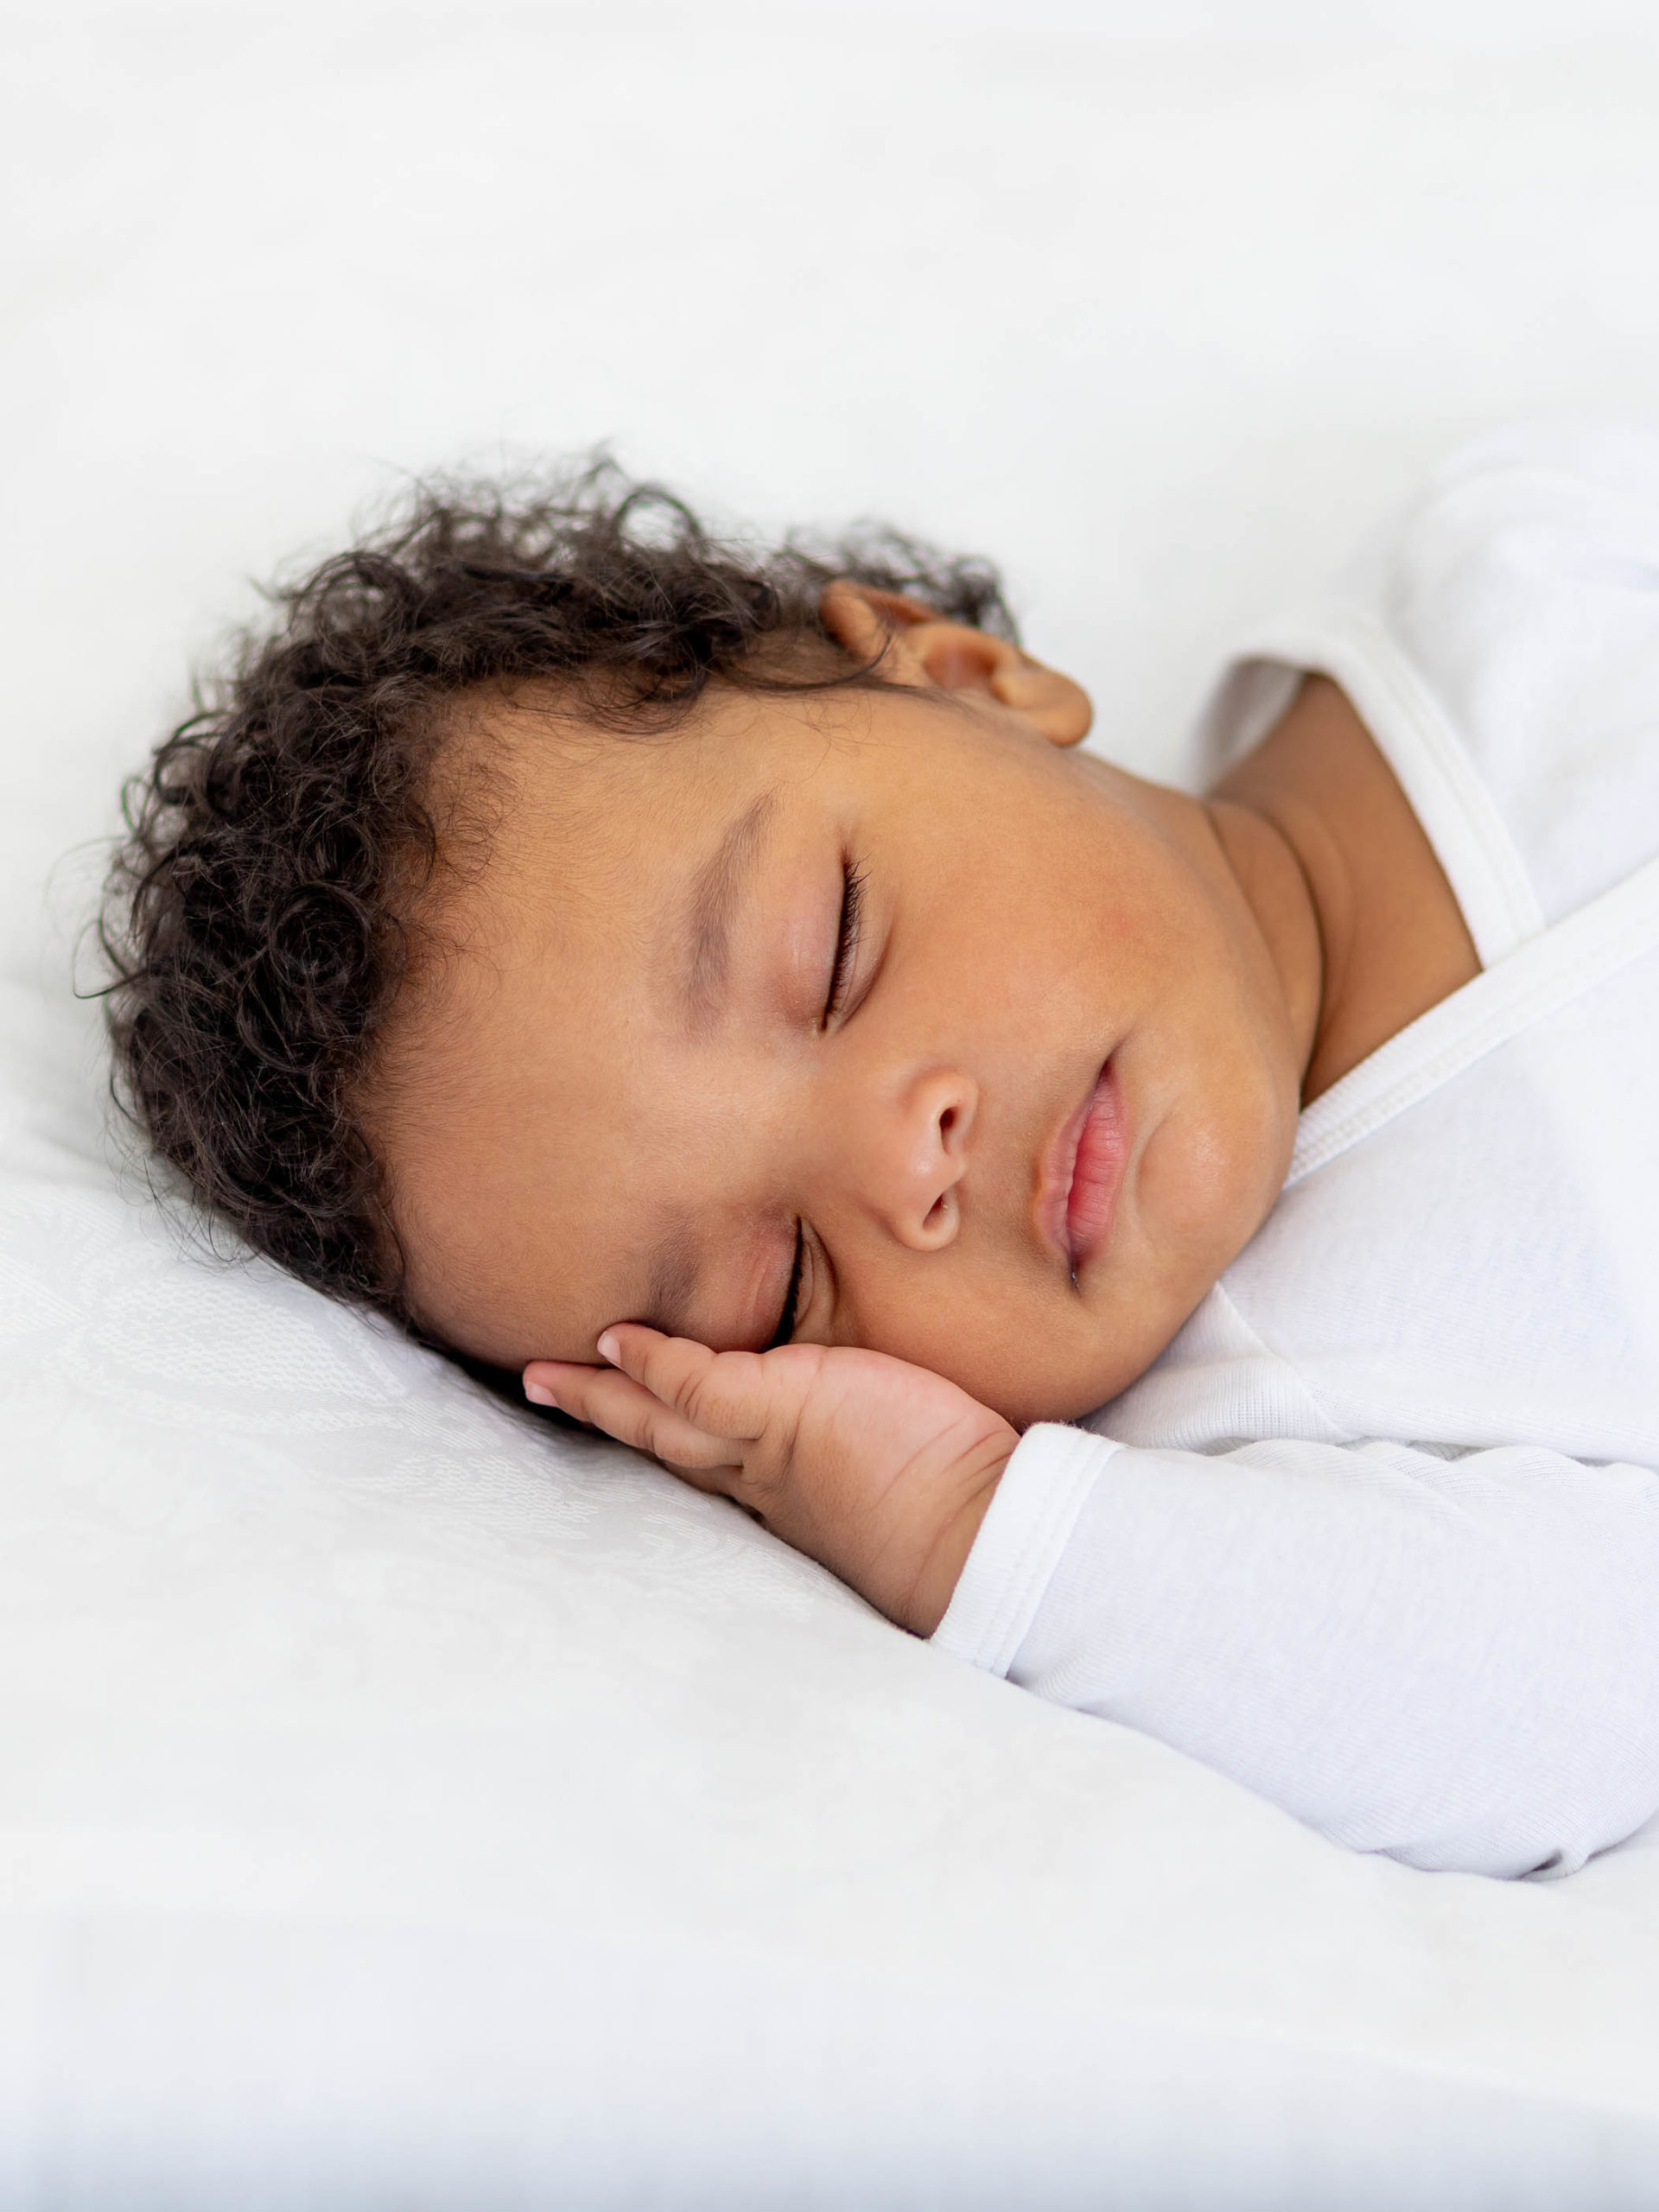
column 1458, row 1663
column 401, row 1806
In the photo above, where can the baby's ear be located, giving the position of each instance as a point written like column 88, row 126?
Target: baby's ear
column 916, row 644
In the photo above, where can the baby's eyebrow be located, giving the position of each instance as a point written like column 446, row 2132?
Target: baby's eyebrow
column 714, row 891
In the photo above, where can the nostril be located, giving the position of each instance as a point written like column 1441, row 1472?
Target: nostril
column 947, row 1121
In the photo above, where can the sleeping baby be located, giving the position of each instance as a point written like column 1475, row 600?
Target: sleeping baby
column 1195, row 1256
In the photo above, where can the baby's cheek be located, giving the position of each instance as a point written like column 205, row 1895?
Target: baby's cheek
column 1028, row 1351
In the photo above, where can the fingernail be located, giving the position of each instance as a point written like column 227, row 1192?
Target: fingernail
column 609, row 1349
column 539, row 1394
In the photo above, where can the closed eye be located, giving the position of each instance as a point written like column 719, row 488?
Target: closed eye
column 852, row 914
column 788, row 1318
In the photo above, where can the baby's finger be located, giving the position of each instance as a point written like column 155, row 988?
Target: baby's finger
column 626, row 1410
column 721, row 1393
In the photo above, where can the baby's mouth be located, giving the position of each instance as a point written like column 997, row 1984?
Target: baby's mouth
column 1083, row 1169
column 1096, row 1169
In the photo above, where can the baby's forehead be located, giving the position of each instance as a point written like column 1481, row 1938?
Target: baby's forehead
column 545, row 812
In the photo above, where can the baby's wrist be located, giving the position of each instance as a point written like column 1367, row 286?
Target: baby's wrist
column 947, row 1555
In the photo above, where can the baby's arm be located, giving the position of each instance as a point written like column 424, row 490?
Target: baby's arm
column 1453, row 1661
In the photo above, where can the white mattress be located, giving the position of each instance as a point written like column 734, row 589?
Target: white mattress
column 399, row 1807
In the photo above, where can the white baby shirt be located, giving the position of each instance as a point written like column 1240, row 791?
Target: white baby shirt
column 1378, row 1534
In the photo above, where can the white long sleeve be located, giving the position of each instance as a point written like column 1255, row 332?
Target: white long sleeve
column 1455, row 1661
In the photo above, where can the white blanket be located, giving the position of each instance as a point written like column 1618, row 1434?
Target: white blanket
column 398, row 1805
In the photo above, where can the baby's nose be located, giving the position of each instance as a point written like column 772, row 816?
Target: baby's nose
column 919, row 1156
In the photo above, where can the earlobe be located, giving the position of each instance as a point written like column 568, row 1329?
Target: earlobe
column 916, row 646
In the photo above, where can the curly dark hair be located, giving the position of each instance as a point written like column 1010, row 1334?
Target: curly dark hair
column 258, row 915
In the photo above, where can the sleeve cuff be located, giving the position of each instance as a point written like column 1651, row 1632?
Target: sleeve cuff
column 1020, row 1544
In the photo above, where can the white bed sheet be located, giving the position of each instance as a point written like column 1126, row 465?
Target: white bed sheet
column 401, row 1806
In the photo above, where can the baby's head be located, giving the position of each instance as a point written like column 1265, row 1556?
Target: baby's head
column 560, row 918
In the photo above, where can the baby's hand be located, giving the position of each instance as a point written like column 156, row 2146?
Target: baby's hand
column 881, row 1470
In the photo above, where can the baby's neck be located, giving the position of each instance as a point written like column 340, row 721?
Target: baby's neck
column 1354, row 905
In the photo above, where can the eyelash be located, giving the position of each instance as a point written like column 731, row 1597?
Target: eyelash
column 790, row 1320
column 852, row 914
column 847, row 936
